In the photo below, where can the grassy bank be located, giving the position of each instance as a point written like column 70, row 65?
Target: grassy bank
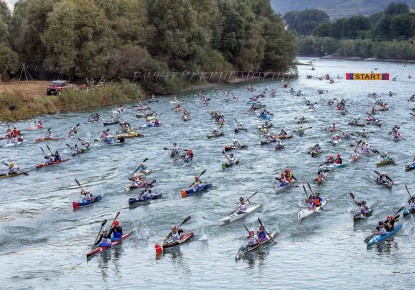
column 28, row 106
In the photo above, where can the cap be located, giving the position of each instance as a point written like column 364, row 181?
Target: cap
column 390, row 217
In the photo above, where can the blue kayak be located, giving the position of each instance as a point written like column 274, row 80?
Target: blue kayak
column 265, row 117
column 377, row 238
column 409, row 166
column 86, row 202
column 192, row 191
column 143, row 200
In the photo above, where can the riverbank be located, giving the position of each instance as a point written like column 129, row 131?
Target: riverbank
column 334, row 56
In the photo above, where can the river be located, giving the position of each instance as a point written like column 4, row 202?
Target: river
column 43, row 242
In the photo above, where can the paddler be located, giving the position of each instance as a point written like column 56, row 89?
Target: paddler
column 105, row 239
column 175, row 233
column 411, row 203
column 289, row 176
column 242, row 206
column 316, row 148
column 87, row 195
column 380, row 229
column 175, row 149
column 262, row 234
column 157, row 122
column 50, row 159
column 301, row 130
column 48, row 134
column 188, row 156
column 279, row 145
column 116, row 232
column 237, row 144
column 317, row 199
column 252, row 239
column 231, row 159
column 146, row 193
column 282, row 180
column 364, row 209
column 86, row 144
column 346, row 134
column 57, row 156
column 15, row 132
column 104, row 136
column 73, row 132
column 336, row 138
column 196, row 184
column 76, row 150
column 142, row 168
column 338, row 159
column 13, row 169
column 384, row 178
column 390, row 223
column 329, row 160
column 148, row 122
column 333, row 127
column 283, row 133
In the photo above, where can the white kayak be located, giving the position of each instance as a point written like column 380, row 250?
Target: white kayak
column 11, row 144
column 306, row 212
column 335, row 142
column 236, row 216
column 279, row 189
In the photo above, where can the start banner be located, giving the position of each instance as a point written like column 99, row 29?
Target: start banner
column 367, row 77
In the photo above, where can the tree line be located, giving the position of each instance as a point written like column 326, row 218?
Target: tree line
column 386, row 34
column 120, row 39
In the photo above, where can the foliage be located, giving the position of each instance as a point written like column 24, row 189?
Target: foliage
column 304, row 22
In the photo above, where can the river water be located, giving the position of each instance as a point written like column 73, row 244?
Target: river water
column 43, row 242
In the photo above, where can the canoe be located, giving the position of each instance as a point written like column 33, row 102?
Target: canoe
column 359, row 216
column 377, row 238
column 228, row 148
column 385, row 162
column 170, row 243
column 279, row 188
column 7, row 175
column 100, row 249
column 236, row 216
column 225, row 165
column 388, row 185
column 192, row 191
column 143, row 200
column 47, row 139
column 283, row 137
column 130, row 135
column 53, row 163
column 265, row 117
column 356, row 124
column 306, row 212
column 108, row 123
column 409, row 166
column 316, row 153
column 140, row 174
column 86, row 202
column 407, row 212
column 215, row 135
column 246, row 250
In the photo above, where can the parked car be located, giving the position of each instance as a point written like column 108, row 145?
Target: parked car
column 56, row 87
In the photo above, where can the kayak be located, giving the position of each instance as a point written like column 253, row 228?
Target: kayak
column 228, row 148
column 130, row 187
column 11, row 144
column 267, row 141
column 407, row 212
column 192, row 191
column 316, row 153
column 53, row 163
column 34, row 128
column 130, row 135
column 236, row 215
column 83, row 151
column 143, row 200
column 215, row 135
column 266, row 126
column 306, row 212
column 378, row 238
column 150, row 125
column 109, row 123
column 335, row 142
column 283, row 137
column 152, row 101
column 140, row 174
column 409, row 166
column 265, row 116
column 100, row 249
column 237, row 130
column 7, row 175
column 246, row 249
column 226, row 165
column 170, row 243
column 279, row 188
column 185, row 118
column 320, row 180
column 388, row 185
column 385, row 162
column 331, row 167
column 359, row 216
column 111, row 141
column 47, row 139
column 86, row 202
column 279, row 147
column 356, row 124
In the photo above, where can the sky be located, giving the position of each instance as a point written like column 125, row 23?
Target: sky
column 11, row 3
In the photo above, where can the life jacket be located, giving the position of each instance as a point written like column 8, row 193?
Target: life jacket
column 262, row 235
column 316, row 201
column 117, row 233
column 289, row 177
column 339, row 160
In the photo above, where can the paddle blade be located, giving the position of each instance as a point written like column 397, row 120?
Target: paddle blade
column 203, row 172
column 77, row 182
column 351, row 195
column 186, row 220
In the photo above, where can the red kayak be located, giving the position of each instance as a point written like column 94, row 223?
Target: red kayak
column 228, row 148
column 100, row 249
column 47, row 139
column 53, row 163
column 171, row 243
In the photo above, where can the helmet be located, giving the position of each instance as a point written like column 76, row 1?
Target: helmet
column 380, row 223
column 261, row 227
column 189, row 151
column 331, row 157
column 318, row 145
column 338, row 155
column 11, row 164
column 390, row 217
column 386, row 153
column 383, row 173
column 363, row 201
column 173, row 227
column 104, row 230
column 282, row 175
column 231, row 155
column 251, row 231
column 174, row 144
column 287, row 170
column 116, row 223
column 196, row 177
column 241, row 198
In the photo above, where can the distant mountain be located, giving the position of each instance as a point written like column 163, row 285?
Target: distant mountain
column 337, row 8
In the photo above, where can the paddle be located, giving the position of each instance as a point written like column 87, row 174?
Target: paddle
column 305, row 191
column 259, row 243
column 406, row 186
column 183, row 222
column 99, row 233
column 43, row 151
column 138, row 168
column 395, row 217
column 112, row 224
column 266, row 231
column 47, row 146
column 386, row 176
column 20, row 170
column 79, row 184
column 245, row 200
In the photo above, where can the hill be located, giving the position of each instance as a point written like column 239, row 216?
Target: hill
column 337, row 8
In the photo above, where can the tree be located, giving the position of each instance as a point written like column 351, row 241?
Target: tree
column 304, row 22
column 396, row 8
column 402, row 26
column 9, row 62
